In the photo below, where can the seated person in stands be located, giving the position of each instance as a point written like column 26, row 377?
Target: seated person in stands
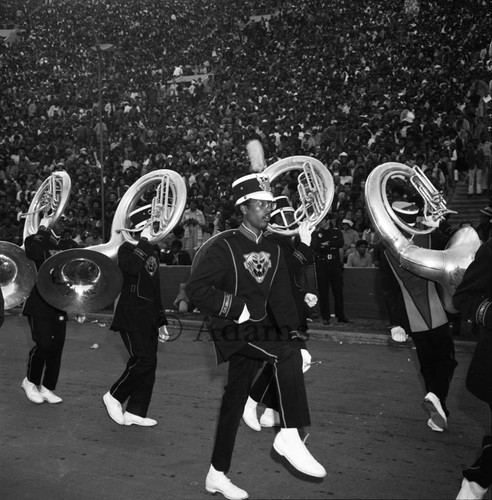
column 95, row 238
column 176, row 256
column 350, row 238
column 66, row 242
column 361, row 257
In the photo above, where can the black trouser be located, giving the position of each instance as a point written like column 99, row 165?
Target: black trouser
column 435, row 350
column 286, row 360
column 481, row 470
column 329, row 273
column 137, row 381
column 49, row 336
column 263, row 389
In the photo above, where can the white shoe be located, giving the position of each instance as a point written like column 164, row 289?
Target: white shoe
column 434, row 407
column 113, row 406
column 31, row 391
column 297, row 454
column 471, row 491
column 433, row 426
column 132, row 419
column 250, row 416
column 270, row 418
column 49, row 396
column 218, row 482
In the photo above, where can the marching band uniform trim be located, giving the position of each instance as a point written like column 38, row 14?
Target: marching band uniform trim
column 226, row 305
column 482, row 312
column 140, row 253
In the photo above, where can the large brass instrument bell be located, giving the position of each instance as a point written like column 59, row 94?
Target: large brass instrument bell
column 315, row 188
column 87, row 280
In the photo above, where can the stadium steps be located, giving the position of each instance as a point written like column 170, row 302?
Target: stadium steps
column 468, row 208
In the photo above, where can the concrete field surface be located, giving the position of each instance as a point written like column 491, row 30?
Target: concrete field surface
column 368, row 428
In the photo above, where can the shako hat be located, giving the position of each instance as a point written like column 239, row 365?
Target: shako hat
column 251, row 187
column 406, row 211
column 140, row 216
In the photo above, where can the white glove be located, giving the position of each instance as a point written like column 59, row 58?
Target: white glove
column 305, row 232
column 306, row 360
column 310, row 299
column 80, row 318
column 163, row 333
column 44, row 222
column 398, row 334
column 244, row 315
column 431, row 222
column 147, row 232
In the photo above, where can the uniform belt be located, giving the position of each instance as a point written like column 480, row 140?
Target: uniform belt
column 321, row 258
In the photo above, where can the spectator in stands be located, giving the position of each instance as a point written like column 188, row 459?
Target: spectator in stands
column 475, row 161
column 66, row 242
column 94, row 238
column 486, row 147
column 193, row 222
column 176, row 256
column 350, row 238
column 361, row 257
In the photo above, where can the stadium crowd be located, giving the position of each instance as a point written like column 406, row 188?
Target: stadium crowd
column 353, row 84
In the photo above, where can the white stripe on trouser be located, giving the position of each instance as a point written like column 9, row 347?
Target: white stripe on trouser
column 33, row 351
column 275, row 358
column 131, row 367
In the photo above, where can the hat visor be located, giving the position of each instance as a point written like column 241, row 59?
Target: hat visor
column 140, row 225
column 257, row 195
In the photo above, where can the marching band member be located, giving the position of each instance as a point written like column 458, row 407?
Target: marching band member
column 140, row 319
column 415, row 309
column 48, row 324
column 298, row 255
column 240, row 278
column 473, row 298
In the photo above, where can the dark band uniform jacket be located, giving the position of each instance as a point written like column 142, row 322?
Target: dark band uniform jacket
column 473, row 298
column 297, row 256
column 239, row 260
column 40, row 247
column 420, row 295
column 139, row 306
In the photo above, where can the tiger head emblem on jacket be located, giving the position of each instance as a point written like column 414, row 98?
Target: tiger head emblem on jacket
column 258, row 264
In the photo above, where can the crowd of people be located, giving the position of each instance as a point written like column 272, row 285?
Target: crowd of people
column 350, row 84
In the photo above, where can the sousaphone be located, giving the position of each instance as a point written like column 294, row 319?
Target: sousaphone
column 17, row 272
column 444, row 267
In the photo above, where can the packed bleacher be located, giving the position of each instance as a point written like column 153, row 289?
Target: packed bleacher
column 353, row 84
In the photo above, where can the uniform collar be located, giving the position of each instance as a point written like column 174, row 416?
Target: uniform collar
column 249, row 234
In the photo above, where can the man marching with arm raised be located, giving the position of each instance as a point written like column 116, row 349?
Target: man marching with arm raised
column 240, row 278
